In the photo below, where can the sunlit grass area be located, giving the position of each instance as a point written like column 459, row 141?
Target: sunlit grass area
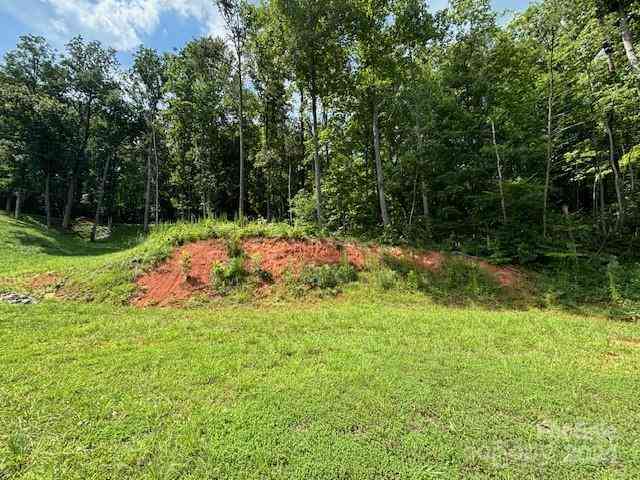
column 342, row 391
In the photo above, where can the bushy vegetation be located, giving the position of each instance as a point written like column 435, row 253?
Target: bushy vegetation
column 327, row 277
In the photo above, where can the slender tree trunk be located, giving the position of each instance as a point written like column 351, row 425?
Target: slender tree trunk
column 316, row 155
column 547, row 181
column 147, row 194
column 615, row 167
column 425, row 201
column 413, row 199
column 289, row 192
column 47, row 197
column 18, row 210
column 241, row 128
column 7, row 205
column 68, row 206
column 499, row 166
column 73, row 179
column 379, row 173
column 100, row 203
column 613, row 154
column 157, row 172
column 603, row 199
column 627, row 40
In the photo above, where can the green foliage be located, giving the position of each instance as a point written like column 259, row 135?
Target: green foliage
column 185, row 264
column 225, row 277
column 327, row 277
column 233, row 244
column 458, row 280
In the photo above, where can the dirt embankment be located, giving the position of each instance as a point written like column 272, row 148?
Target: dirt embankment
column 167, row 284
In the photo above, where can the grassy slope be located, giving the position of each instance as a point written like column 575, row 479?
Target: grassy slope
column 381, row 388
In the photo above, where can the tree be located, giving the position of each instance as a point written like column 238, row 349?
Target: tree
column 235, row 13
column 89, row 72
column 148, row 74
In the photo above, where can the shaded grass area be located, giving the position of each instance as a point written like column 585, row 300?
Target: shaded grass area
column 358, row 391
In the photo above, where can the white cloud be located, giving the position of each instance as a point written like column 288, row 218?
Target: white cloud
column 118, row 23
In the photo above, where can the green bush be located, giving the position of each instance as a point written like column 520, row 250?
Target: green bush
column 385, row 279
column 328, row 276
column 233, row 244
column 226, row 277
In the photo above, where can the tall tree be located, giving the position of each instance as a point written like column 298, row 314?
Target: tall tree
column 89, row 69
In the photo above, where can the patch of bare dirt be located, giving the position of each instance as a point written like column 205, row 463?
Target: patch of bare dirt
column 278, row 256
column 45, row 281
column 167, row 284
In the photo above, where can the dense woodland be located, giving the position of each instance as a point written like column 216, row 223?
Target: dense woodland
column 377, row 118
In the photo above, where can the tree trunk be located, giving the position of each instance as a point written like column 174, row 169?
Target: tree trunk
column 73, row 179
column 157, row 165
column 241, row 128
column 147, row 194
column 7, row 206
column 615, row 167
column 316, row 155
column 627, row 40
column 613, row 154
column 413, row 199
column 68, row 206
column 47, row 197
column 379, row 173
column 547, row 181
column 99, row 206
column 18, row 204
column 499, row 166
column 425, row 201
column 289, row 192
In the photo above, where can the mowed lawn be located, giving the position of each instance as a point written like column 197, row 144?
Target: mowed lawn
column 338, row 389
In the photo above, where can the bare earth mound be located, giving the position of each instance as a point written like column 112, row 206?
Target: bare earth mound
column 166, row 285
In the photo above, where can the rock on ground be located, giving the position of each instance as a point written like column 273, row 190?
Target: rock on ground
column 17, row 299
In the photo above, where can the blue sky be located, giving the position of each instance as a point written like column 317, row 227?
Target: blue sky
column 124, row 24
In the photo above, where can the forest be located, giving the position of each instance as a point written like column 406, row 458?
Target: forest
column 512, row 136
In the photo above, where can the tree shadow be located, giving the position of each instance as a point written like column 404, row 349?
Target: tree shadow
column 58, row 242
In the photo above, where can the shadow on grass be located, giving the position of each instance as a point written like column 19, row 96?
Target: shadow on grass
column 58, row 242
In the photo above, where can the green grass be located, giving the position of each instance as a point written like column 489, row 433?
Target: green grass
column 343, row 391
column 380, row 382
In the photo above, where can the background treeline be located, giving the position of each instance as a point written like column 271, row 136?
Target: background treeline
column 366, row 117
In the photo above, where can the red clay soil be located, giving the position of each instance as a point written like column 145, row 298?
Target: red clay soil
column 277, row 255
column 167, row 285
column 46, row 280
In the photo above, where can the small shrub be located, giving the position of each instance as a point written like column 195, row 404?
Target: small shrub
column 226, row 277
column 185, row 264
column 234, row 248
column 386, row 279
column 328, row 276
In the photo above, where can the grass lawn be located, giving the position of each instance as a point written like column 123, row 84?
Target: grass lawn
column 357, row 387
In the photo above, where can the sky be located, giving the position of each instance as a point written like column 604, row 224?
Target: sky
column 165, row 25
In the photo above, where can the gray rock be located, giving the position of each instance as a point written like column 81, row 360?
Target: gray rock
column 17, row 299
